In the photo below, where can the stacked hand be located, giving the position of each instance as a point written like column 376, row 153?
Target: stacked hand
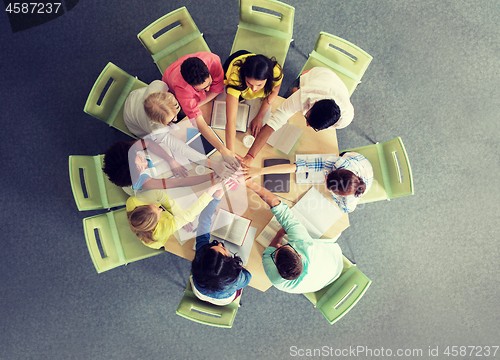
column 250, row 172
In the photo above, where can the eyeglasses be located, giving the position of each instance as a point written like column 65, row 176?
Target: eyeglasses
column 216, row 243
column 206, row 87
column 273, row 254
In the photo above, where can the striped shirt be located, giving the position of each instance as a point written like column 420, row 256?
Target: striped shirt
column 351, row 161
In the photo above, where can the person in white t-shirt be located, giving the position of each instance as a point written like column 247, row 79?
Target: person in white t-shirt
column 320, row 96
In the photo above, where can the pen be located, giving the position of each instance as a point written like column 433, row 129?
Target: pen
column 307, row 174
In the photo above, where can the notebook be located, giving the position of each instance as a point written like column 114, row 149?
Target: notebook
column 276, row 183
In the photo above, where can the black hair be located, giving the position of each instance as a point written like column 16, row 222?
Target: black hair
column 323, row 114
column 258, row 67
column 288, row 263
column 344, row 182
column 213, row 270
column 194, row 71
column 116, row 163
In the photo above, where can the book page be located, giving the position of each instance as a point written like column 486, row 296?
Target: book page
column 222, row 223
column 219, row 120
column 219, row 115
column 267, row 235
column 238, row 230
column 311, row 229
column 318, row 210
column 242, row 117
column 255, row 105
column 288, row 139
column 275, row 136
column 184, row 197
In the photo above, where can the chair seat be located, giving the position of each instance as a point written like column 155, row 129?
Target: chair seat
column 377, row 191
column 206, row 313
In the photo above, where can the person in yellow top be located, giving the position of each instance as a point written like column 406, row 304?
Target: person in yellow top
column 154, row 217
column 249, row 76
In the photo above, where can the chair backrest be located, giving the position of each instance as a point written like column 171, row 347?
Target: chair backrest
column 91, row 187
column 392, row 175
column 111, row 243
column 347, row 60
column 397, row 168
column 203, row 312
column 265, row 27
column 338, row 298
column 171, row 37
column 279, row 17
column 108, row 95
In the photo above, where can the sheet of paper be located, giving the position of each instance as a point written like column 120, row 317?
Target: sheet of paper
column 318, row 210
column 285, row 138
column 184, row 197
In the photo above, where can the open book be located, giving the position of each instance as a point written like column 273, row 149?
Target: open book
column 311, row 177
column 285, row 138
column 219, row 116
column 242, row 251
column 231, row 227
column 314, row 211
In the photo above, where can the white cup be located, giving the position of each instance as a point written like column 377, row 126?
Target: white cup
column 200, row 170
column 248, row 141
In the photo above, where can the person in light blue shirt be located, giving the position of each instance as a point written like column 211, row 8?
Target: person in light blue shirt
column 218, row 277
column 303, row 264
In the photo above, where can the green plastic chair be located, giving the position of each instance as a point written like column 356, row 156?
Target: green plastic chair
column 347, row 60
column 206, row 313
column 92, row 189
column 110, row 109
column 265, row 33
column 338, row 298
column 391, row 170
column 111, row 243
column 166, row 44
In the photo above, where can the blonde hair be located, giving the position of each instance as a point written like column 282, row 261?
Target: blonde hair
column 160, row 107
column 142, row 222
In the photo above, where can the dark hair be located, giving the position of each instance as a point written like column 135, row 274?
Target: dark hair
column 258, row 67
column 323, row 114
column 194, row 71
column 213, row 270
column 116, row 164
column 344, row 182
column 288, row 263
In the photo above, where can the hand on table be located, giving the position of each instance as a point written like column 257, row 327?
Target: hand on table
column 188, row 227
column 256, row 125
column 177, row 169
